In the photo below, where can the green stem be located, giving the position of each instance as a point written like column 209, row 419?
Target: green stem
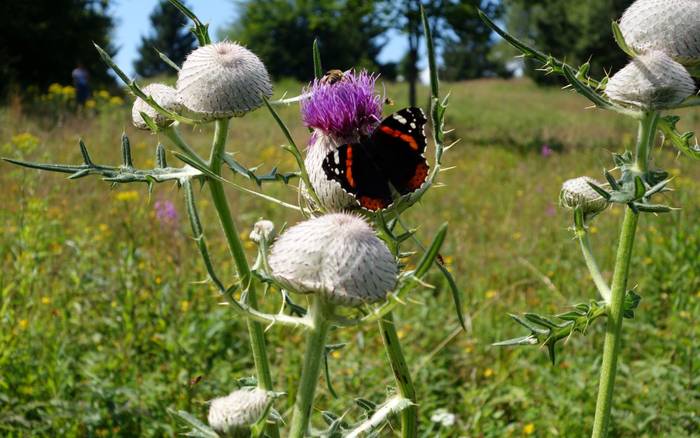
column 392, row 345
column 593, row 269
column 218, row 195
column 402, row 375
column 613, row 333
column 313, row 357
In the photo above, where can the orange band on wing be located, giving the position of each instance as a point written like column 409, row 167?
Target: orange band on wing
column 400, row 135
column 348, row 167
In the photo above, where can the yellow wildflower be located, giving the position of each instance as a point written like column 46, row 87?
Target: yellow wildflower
column 90, row 103
column 184, row 306
column 116, row 101
column 129, row 195
column 23, row 324
column 529, row 429
column 45, row 300
column 488, row 372
column 491, row 293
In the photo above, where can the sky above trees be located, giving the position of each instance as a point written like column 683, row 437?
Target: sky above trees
column 132, row 23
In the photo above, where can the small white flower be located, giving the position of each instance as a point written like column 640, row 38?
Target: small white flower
column 443, row 418
column 578, row 193
column 222, row 80
column 164, row 96
column 671, row 26
column 329, row 192
column 336, row 255
column 651, row 81
column 238, row 411
column 262, row 230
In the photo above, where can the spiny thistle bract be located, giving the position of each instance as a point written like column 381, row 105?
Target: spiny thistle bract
column 165, row 96
column 652, row 81
column 671, row 26
column 234, row 414
column 337, row 256
column 577, row 193
column 222, row 80
column 339, row 111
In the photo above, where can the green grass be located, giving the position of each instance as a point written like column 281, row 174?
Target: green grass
column 104, row 323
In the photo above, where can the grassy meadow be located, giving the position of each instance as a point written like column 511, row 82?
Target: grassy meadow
column 105, row 322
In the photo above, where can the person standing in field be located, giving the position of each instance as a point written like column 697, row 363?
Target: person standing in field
column 81, row 82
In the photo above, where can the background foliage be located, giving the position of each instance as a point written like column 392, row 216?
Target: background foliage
column 104, row 325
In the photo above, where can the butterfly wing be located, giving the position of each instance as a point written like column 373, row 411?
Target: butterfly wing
column 357, row 172
column 398, row 147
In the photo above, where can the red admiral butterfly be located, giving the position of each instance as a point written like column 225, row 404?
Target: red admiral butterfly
column 392, row 156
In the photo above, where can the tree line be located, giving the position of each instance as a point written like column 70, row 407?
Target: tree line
column 45, row 39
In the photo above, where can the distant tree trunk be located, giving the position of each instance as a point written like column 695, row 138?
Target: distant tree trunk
column 414, row 33
column 412, row 70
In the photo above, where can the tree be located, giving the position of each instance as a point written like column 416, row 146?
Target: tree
column 170, row 35
column 281, row 33
column 574, row 31
column 404, row 16
column 468, row 48
column 43, row 40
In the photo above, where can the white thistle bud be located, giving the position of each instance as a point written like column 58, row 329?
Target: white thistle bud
column 222, row 80
column 238, row 411
column 336, row 255
column 164, row 96
column 652, row 80
column 577, row 193
column 671, row 26
column 262, row 230
column 329, row 192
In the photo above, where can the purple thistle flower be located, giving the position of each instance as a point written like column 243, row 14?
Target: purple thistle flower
column 345, row 109
column 166, row 213
column 546, row 151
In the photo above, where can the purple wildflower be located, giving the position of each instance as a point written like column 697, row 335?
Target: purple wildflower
column 166, row 213
column 345, row 109
column 546, row 151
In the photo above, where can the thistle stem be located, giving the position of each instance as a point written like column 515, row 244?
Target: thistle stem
column 313, row 357
column 402, row 375
column 218, row 195
column 593, row 269
column 613, row 333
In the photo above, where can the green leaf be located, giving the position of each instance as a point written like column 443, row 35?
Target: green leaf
column 200, row 30
column 620, row 40
column 432, row 252
column 126, row 152
column 198, row 429
column 167, row 60
column 318, row 67
column 198, row 233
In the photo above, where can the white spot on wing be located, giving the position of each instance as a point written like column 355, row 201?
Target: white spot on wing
column 336, row 157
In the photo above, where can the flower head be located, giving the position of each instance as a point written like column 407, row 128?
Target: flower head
column 222, row 80
column 166, row 213
column 262, row 230
column 165, row 96
column 335, row 255
column 652, row 80
column 238, row 411
column 577, row 193
column 671, row 26
column 346, row 108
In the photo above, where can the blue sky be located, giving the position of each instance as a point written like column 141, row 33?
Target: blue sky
column 132, row 23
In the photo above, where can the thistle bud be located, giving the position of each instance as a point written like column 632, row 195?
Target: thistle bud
column 329, row 192
column 263, row 230
column 335, row 255
column 671, row 26
column 577, row 193
column 651, row 81
column 222, row 80
column 164, row 96
column 234, row 414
